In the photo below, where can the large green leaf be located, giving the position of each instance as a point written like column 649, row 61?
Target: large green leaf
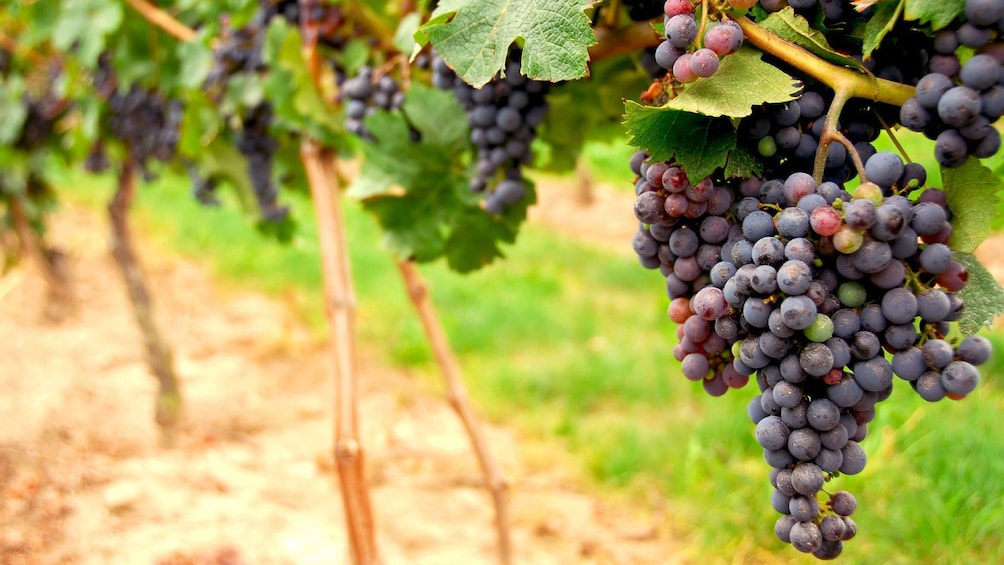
column 939, row 13
column 788, row 25
column 289, row 85
column 972, row 191
column 84, row 24
column 418, row 190
column 882, row 21
column 982, row 295
column 12, row 108
column 473, row 37
column 743, row 80
column 699, row 143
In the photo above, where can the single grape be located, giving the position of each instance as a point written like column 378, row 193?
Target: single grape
column 704, row 62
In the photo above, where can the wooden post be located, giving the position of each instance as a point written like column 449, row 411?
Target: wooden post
column 158, row 354
column 340, row 307
column 59, row 299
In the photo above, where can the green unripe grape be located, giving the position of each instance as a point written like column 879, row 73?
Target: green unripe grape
column 767, row 146
column 821, row 329
column 852, row 294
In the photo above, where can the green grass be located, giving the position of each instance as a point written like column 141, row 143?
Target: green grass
column 572, row 344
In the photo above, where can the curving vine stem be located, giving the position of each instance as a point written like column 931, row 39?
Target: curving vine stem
column 158, row 353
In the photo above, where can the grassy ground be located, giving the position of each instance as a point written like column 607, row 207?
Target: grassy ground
column 570, row 343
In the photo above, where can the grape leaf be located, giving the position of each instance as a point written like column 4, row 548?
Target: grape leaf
column 12, row 108
column 404, row 37
column 418, row 190
column 473, row 37
column 742, row 164
column 742, row 81
column 982, row 295
column 699, row 143
column 970, row 189
column 939, row 13
column 786, row 24
column 291, row 88
column 84, row 24
column 882, row 21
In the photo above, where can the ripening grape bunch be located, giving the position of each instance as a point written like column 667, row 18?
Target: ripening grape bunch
column 147, row 123
column 957, row 103
column 504, row 116
column 681, row 55
column 364, row 94
column 823, row 297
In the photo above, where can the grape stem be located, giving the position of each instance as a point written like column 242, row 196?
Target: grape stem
column 839, row 79
column 845, row 83
column 892, row 136
column 704, row 22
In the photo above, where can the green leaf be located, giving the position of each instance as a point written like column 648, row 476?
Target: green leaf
column 12, row 108
column 196, row 62
column 418, row 190
column 788, row 25
column 883, row 19
column 972, row 191
column 939, row 13
column 742, row 81
column 742, row 164
column 699, row 143
column 85, row 24
column 404, row 37
column 982, row 295
column 289, row 85
column 473, row 37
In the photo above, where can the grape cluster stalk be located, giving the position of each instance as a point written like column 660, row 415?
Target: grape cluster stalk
column 824, row 290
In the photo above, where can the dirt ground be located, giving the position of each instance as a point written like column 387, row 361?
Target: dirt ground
column 83, row 481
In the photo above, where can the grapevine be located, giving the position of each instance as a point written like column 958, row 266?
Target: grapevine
column 832, row 272
column 795, row 253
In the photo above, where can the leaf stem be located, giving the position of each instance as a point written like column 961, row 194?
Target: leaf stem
column 855, row 84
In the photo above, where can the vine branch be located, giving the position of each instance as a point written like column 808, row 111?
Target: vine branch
column 460, row 401
column 839, row 79
column 163, row 20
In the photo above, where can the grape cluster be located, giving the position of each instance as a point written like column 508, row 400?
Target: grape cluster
column 504, row 116
column 239, row 51
column 147, row 124
column 957, row 104
column 362, row 97
column 679, row 52
column 806, row 288
column 39, row 121
column 258, row 146
column 786, row 136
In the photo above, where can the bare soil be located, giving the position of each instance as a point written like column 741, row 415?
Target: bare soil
column 83, row 480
